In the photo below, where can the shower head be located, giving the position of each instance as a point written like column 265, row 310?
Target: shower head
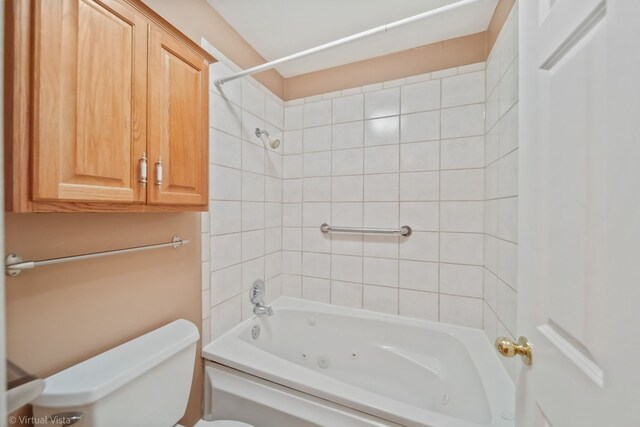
column 273, row 143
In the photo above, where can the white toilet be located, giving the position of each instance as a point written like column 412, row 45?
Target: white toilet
column 142, row 383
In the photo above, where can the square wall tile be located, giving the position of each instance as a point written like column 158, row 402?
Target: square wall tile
column 292, row 166
column 380, row 299
column 418, row 127
column 347, row 214
column 462, row 248
column 293, row 117
column 252, row 187
column 420, row 246
column 346, row 244
column 316, row 164
column 225, row 316
column 348, row 108
column 464, row 184
column 381, row 271
column 316, row 189
column 224, row 183
column 292, row 190
column 348, row 135
column 292, row 214
column 292, row 142
column 253, row 99
column 423, row 96
column 225, row 284
column 347, row 162
column 225, row 116
column 292, row 239
column 292, row 285
column 275, row 113
column 382, row 103
column 463, row 153
column 418, row 275
column 382, row 131
column 314, row 240
column 317, row 139
column 252, row 244
column 461, row 311
column 464, row 280
column 380, row 246
column 346, row 294
column 383, row 159
column 346, row 268
column 315, row 289
column 463, row 121
column 420, row 156
column 317, row 113
column 314, row 214
column 316, row 265
column 462, row 216
column 347, row 188
column 420, row 216
column 420, row 186
column 225, row 149
column 291, row 262
column 252, row 216
column 381, row 214
column 225, row 250
column 382, row 187
column 225, row 217
column 463, row 89
column 419, row 305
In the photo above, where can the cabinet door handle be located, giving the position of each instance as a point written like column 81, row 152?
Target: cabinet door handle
column 143, row 170
column 159, row 173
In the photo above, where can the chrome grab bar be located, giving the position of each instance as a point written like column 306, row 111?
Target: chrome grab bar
column 405, row 230
column 14, row 264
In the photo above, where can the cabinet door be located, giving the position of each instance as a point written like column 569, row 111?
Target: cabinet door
column 89, row 128
column 178, row 117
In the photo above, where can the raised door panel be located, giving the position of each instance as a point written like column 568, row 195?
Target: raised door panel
column 178, row 132
column 90, row 79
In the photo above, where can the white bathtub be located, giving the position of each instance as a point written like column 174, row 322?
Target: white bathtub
column 389, row 369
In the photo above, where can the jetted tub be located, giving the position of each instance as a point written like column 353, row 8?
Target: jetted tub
column 378, row 369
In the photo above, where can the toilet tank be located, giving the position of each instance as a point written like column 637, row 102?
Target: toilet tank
column 142, row 383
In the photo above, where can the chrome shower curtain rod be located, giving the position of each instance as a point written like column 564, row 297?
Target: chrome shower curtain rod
column 353, row 37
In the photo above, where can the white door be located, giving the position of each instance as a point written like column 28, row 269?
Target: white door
column 579, row 259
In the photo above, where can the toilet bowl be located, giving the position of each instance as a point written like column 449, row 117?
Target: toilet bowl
column 142, row 383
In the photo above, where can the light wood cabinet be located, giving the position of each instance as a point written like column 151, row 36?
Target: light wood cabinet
column 178, row 116
column 97, row 85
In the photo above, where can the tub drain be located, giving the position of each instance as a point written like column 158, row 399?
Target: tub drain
column 255, row 332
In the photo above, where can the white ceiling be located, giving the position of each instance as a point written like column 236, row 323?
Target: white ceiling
column 276, row 28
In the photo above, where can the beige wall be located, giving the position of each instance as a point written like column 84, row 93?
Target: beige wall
column 500, row 15
column 196, row 19
column 433, row 57
column 60, row 315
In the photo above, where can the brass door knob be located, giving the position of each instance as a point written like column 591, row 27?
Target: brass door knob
column 507, row 348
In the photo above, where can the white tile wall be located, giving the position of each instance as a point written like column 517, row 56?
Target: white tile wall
column 501, row 186
column 437, row 152
column 404, row 152
column 242, row 232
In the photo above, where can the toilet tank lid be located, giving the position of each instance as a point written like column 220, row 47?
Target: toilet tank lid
column 91, row 380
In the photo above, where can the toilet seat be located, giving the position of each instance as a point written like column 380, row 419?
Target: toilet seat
column 221, row 423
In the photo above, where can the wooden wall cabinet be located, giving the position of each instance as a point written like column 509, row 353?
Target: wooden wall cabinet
column 93, row 87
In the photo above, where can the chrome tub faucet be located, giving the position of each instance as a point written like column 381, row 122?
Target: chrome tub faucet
column 256, row 296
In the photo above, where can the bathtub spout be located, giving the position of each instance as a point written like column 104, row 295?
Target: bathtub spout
column 262, row 310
